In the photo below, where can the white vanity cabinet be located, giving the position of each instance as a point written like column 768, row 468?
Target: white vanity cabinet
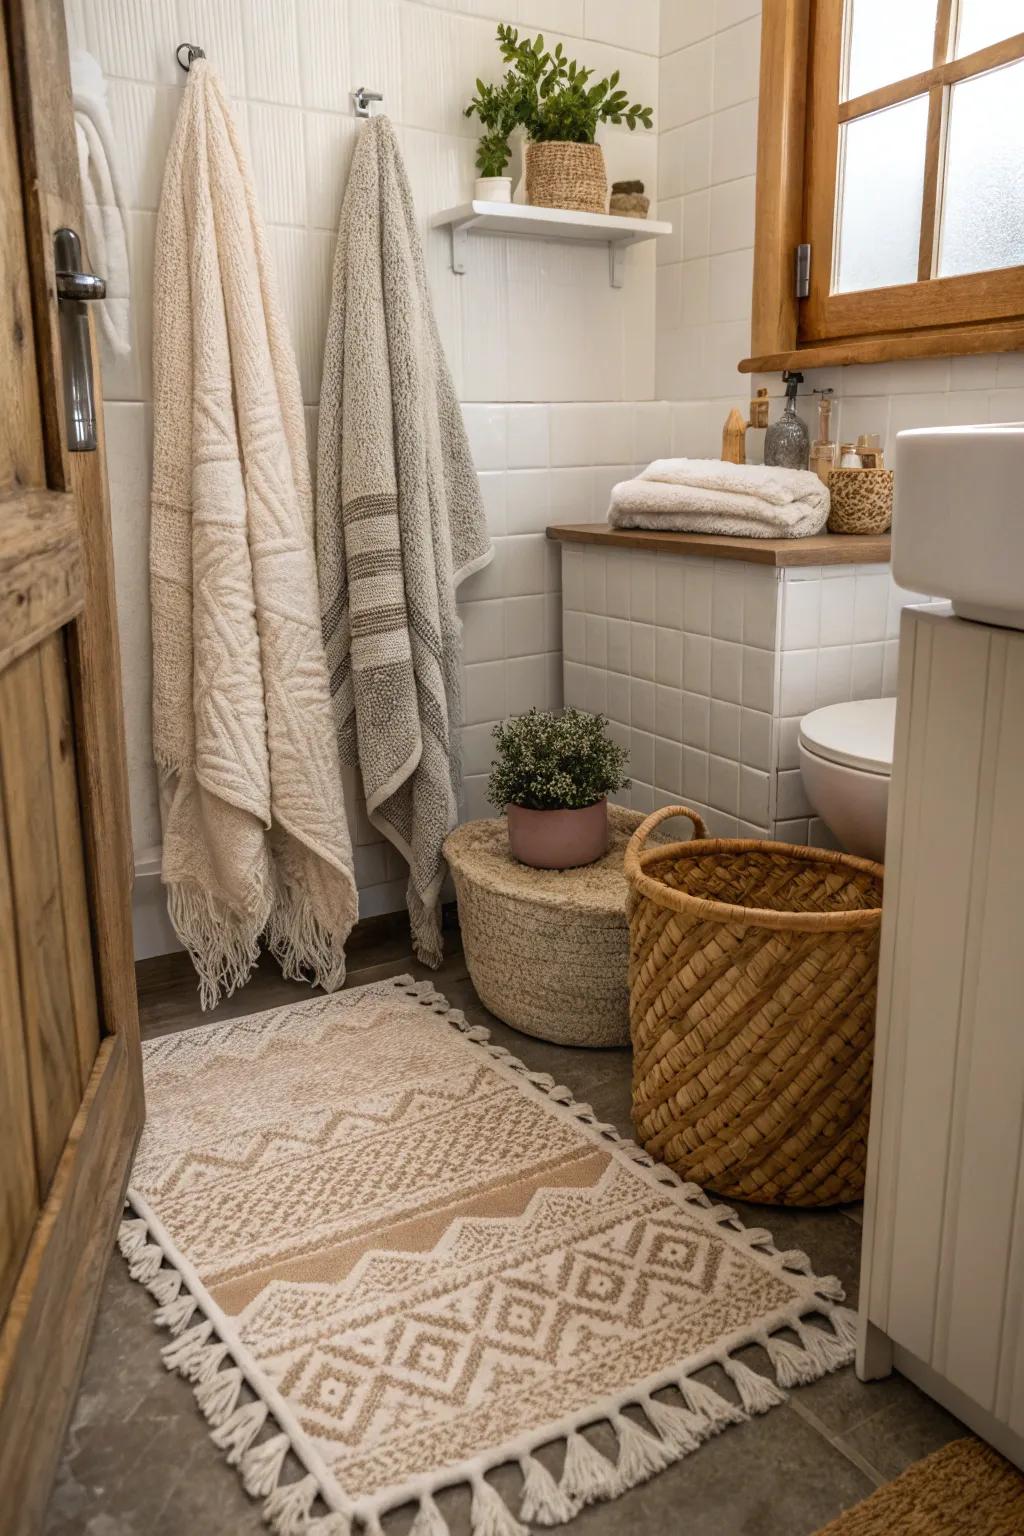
column 942, row 1283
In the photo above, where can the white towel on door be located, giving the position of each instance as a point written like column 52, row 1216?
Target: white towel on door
column 106, row 240
column 758, row 501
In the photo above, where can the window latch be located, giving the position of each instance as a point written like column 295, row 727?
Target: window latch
column 803, row 271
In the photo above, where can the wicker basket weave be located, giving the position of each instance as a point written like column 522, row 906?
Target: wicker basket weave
column 547, row 949
column 567, row 176
column 753, row 970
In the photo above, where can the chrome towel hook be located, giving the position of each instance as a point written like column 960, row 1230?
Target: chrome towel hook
column 362, row 98
column 192, row 52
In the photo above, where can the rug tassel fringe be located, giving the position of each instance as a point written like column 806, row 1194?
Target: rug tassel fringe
column 757, row 1393
column 287, row 1508
column 261, row 1466
column 237, row 1433
column 205, row 1365
column 713, row 1411
column 587, row 1475
column 146, row 1265
column 490, row 1515
column 845, row 1323
column 429, row 1520
column 542, row 1501
column 165, row 1287
column 331, row 1525
column 131, row 1237
column 176, row 1315
column 641, row 1455
column 825, row 1348
column 179, row 1355
column 674, row 1425
column 218, row 1397
column 793, row 1366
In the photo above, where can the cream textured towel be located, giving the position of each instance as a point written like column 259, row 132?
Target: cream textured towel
column 400, row 523
column 756, row 501
column 255, row 837
column 105, row 239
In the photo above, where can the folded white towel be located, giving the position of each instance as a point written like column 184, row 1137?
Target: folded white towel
column 757, row 501
column 105, row 238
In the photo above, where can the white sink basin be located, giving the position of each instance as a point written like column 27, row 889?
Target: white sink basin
column 958, row 519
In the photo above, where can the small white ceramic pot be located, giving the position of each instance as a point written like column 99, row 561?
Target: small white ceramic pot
column 493, row 189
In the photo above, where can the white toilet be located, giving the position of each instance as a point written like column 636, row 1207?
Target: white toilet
column 846, row 761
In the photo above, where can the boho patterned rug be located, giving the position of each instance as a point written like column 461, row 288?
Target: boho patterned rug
column 383, row 1245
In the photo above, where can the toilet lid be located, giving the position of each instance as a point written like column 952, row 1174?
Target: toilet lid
column 858, row 735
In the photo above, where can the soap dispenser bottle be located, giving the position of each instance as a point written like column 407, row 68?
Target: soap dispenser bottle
column 787, row 442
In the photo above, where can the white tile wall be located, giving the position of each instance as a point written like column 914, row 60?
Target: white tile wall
column 528, row 325
column 706, row 154
column 659, row 644
column 705, row 668
column 839, row 636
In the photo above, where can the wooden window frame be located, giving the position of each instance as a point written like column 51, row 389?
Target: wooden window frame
column 798, row 131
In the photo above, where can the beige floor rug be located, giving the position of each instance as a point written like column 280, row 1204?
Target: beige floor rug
column 966, row 1489
column 384, row 1245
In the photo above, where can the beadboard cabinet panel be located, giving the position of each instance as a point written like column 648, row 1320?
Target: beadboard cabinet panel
column 943, row 1268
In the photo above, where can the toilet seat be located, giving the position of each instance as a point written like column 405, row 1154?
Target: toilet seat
column 858, row 734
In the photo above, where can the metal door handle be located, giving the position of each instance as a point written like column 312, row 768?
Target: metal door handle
column 80, row 285
column 75, row 289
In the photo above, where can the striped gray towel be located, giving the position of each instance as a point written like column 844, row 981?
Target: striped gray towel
column 399, row 524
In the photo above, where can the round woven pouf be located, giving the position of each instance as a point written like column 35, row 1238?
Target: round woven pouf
column 547, row 949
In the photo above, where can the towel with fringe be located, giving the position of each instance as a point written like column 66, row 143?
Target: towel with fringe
column 106, row 242
column 256, row 842
column 754, row 501
column 400, row 523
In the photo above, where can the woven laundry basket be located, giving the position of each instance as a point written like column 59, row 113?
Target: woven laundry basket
column 547, row 949
column 753, row 971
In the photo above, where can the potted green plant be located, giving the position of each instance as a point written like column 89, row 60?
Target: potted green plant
column 552, row 776
column 496, row 107
column 558, row 106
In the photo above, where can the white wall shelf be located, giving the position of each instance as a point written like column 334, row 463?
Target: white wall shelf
column 519, row 219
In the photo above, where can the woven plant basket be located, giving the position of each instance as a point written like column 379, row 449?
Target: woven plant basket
column 567, row 176
column 547, row 949
column 753, row 971
column 860, row 500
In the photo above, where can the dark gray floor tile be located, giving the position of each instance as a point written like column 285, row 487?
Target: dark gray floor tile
column 909, row 1426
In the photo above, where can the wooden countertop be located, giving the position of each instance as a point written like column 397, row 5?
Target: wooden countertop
column 821, row 549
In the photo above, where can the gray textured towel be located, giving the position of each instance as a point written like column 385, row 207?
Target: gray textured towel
column 399, row 524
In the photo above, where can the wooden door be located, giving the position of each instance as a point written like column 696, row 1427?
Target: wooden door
column 70, row 1074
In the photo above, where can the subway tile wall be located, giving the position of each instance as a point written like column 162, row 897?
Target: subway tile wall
column 706, row 667
column 550, row 360
column 706, row 162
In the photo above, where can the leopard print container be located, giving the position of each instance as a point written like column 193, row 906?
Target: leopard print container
column 861, row 500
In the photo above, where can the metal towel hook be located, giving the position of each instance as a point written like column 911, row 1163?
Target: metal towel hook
column 362, row 98
column 192, row 51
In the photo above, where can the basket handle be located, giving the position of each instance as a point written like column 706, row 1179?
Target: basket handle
column 631, row 861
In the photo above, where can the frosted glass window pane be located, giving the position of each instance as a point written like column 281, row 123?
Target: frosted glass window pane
column 983, row 205
column 987, row 21
column 881, row 177
column 887, row 40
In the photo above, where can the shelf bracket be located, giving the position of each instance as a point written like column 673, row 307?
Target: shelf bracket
column 459, row 238
column 616, row 262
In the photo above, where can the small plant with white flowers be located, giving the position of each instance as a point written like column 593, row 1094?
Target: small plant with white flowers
column 551, row 761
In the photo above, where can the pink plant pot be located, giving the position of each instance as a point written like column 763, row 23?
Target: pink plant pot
column 558, row 839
